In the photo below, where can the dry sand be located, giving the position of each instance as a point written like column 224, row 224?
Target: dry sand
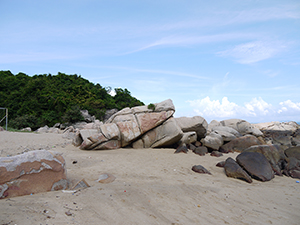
column 152, row 186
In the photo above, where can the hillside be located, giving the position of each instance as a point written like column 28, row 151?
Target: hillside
column 47, row 99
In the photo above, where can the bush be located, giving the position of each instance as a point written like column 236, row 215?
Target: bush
column 24, row 121
column 72, row 115
column 151, row 106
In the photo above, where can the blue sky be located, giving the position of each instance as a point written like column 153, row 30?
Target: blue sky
column 217, row 59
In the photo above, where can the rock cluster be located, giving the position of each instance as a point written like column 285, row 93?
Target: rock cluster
column 265, row 148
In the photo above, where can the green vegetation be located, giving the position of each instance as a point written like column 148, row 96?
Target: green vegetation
column 35, row 101
column 151, row 106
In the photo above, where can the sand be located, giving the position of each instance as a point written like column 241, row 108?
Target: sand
column 152, row 186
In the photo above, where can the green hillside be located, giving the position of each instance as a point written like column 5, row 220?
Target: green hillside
column 47, row 99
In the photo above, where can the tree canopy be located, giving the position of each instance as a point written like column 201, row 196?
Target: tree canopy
column 47, row 99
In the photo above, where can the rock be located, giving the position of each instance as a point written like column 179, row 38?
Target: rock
column 26, row 129
column 273, row 153
column 227, row 133
column 1, row 128
column 216, row 154
column 213, row 140
column 212, row 124
column 200, row 169
column 182, row 148
column 220, row 164
column 188, row 138
column 240, row 144
column 129, row 131
column 294, row 173
column 165, row 135
column 293, row 152
column 80, row 185
column 242, row 126
column 32, row 172
column 80, row 125
column 278, row 126
column 109, row 113
column 93, row 125
column 201, row 150
column 196, row 123
column 77, row 141
column 106, row 178
column 191, row 147
column 256, row 164
column 87, row 117
column 232, row 169
column 296, row 138
column 279, row 137
column 292, row 164
column 43, row 129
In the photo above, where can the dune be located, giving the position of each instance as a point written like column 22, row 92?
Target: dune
column 152, row 186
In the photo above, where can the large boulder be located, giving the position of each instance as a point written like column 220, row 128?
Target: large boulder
column 242, row 126
column 165, row 135
column 273, row 153
column 196, row 123
column 233, row 169
column 32, row 172
column 256, row 164
column 213, row 141
column 227, row 133
column 125, row 127
column 240, row 144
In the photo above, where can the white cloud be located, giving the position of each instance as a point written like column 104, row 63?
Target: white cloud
column 257, row 110
column 252, row 52
column 289, row 106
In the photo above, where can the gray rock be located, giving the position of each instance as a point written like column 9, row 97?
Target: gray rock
column 196, row 123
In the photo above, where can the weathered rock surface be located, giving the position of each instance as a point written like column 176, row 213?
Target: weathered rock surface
column 201, row 150
column 242, row 126
column 227, row 133
column 216, row 154
column 188, row 138
column 240, row 144
column 273, row 153
column 293, row 152
column 165, row 135
column 196, row 123
column 32, row 172
column 233, row 169
column 213, row 141
column 256, row 164
column 129, row 125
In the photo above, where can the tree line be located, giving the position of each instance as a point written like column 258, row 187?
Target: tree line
column 35, row 101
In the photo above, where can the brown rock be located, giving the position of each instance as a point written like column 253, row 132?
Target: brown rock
column 293, row 152
column 256, row 164
column 216, row 154
column 232, row 169
column 32, row 172
column 201, row 150
column 220, row 164
column 239, row 144
column 200, row 169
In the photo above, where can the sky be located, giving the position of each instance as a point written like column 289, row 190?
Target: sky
column 215, row 59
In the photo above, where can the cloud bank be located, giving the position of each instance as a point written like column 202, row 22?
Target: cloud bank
column 257, row 110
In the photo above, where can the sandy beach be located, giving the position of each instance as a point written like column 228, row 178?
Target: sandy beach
column 152, row 186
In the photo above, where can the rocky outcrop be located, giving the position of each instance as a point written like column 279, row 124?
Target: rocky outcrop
column 286, row 134
column 140, row 126
column 32, row 172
